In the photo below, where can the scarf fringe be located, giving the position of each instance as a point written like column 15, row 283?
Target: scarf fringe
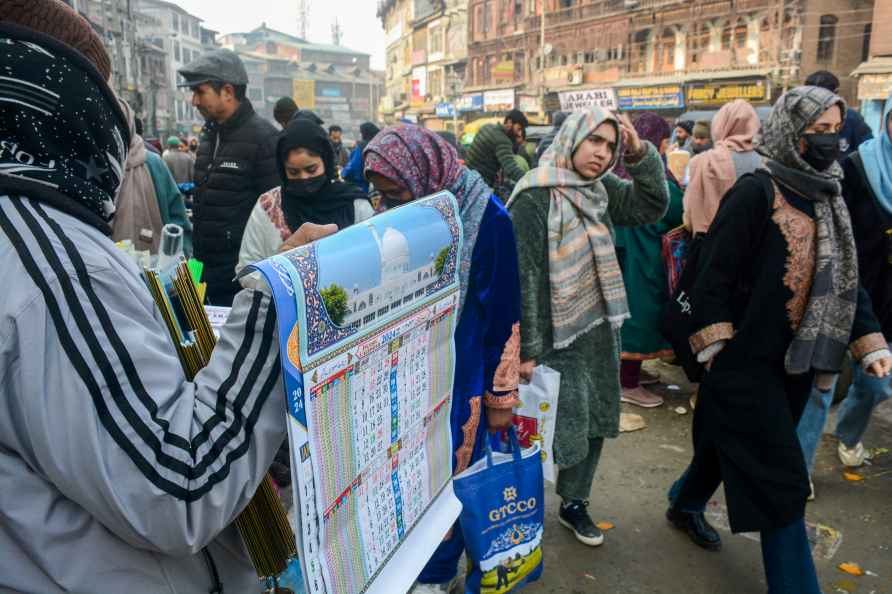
column 616, row 323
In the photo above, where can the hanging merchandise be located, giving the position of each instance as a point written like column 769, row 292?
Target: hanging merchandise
column 263, row 524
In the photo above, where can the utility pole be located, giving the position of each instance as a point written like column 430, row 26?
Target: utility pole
column 542, row 59
column 336, row 32
column 303, row 18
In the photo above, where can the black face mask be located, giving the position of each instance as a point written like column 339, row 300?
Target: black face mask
column 306, row 187
column 391, row 202
column 821, row 150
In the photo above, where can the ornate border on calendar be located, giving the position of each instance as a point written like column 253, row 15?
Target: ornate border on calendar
column 442, row 204
column 323, row 331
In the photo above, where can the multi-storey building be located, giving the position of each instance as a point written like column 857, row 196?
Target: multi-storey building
column 665, row 55
column 179, row 34
column 874, row 75
column 426, row 45
column 115, row 21
column 334, row 81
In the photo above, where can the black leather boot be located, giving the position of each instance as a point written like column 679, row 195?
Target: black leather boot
column 697, row 528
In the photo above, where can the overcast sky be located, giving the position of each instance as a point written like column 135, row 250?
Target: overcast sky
column 361, row 28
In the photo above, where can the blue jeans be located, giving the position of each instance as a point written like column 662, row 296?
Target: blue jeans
column 814, row 417
column 854, row 413
column 786, row 555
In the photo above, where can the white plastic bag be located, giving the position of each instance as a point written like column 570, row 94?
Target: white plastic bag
column 534, row 418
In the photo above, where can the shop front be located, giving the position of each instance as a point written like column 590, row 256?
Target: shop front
column 874, row 89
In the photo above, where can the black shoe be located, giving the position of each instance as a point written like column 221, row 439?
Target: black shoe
column 574, row 516
column 697, row 527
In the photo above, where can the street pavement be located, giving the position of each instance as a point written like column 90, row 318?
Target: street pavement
column 851, row 521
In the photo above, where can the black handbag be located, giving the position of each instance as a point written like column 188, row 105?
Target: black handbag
column 677, row 323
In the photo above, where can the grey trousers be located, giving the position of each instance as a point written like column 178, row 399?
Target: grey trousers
column 574, row 483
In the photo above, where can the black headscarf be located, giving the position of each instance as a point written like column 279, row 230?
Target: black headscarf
column 63, row 136
column 334, row 202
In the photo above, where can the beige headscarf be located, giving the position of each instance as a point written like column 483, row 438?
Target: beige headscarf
column 712, row 173
column 137, row 216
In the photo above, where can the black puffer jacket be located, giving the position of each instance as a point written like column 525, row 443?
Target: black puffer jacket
column 236, row 163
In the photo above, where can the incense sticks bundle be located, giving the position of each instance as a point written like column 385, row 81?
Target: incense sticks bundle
column 263, row 524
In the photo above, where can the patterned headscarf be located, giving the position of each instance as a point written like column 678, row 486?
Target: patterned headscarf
column 424, row 163
column 63, row 136
column 823, row 335
column 586, row 283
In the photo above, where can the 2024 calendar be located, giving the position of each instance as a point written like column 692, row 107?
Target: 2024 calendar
column 366, row 321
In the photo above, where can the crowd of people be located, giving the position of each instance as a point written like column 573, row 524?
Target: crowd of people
column 109, row 451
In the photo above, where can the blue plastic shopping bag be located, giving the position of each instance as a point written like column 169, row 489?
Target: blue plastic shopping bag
column 502, row 517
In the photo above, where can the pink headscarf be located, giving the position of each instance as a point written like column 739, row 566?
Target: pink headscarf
column 712, row 173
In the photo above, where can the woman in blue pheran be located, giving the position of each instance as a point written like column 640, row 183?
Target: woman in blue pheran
column 407, row 163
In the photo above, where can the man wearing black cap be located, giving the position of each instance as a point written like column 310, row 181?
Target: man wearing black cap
column 236, row 163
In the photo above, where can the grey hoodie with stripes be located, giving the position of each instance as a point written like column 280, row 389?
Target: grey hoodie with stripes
column 118, row 474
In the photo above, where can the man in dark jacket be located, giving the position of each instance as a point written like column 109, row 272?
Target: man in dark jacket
column 492, row 152
column 335, row 134
column 354, row 172
column 854, row 129
column 236, row 163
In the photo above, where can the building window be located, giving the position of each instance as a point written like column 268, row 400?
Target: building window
column 740, row 34
column 668, row 43
column 435, row 83
column 175, row 21
column 518, row 9
column 827, row 37
column 436, row 40
column 176, row 51
column 478, row 22
column 640, row 50
column 487, row 17
column 726, row 36
column 195, row 33
column 865, row 43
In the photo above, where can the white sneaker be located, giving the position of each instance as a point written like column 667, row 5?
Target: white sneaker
column 852, row 457
column 434, row 588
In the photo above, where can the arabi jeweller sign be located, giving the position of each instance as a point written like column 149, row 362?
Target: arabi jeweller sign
column 587, row 98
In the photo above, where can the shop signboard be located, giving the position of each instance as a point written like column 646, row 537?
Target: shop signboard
column 653, row 97
column 716, row 94
column 445, row 110
column 419, row 85
column 587, row 98
column 304, row 93
column 472, row 102
column 501, row 100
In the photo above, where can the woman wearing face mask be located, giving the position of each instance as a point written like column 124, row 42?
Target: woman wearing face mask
column 408, row 162
column 775, row 306
column 310, row 193
column 573, row 300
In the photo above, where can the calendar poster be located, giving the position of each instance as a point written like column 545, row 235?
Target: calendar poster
column 366, row 322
